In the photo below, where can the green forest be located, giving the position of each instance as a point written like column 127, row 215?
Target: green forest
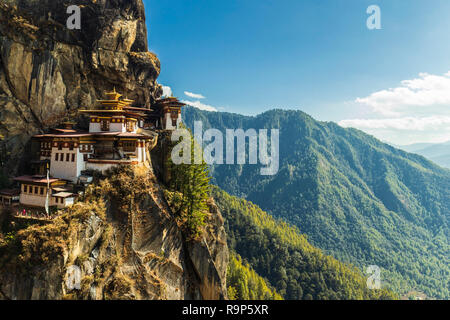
column 356, row 198
column 243, row 283
column 279, row 253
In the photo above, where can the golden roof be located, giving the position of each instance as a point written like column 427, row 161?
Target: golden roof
column 113, row 95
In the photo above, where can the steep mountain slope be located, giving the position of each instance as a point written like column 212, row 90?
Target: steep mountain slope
column 243, row 283
column 121, row 236
column 48, row 71
column 124, row 240
column 277, row 251
column 359, row 199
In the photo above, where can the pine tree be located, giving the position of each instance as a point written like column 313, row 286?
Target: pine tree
column 190, row 183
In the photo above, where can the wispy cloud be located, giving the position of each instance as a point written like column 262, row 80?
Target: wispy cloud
column 406, row 130
column 435, row 123
column 425, row 94
column 416, row 111
column 194, row 95
column 199, row 105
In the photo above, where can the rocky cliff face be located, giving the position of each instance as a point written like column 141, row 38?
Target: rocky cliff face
column 122, row 238
column 48, row 71
column 126, row 244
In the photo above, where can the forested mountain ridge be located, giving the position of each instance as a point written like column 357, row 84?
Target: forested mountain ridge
column 243, row 283
column 357, row 198
column 277, row 251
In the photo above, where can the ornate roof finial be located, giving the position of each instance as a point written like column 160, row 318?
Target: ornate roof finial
column 113, row 95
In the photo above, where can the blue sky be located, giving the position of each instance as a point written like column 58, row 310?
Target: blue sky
column 249, row 56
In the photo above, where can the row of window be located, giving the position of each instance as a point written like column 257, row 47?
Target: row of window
column 46, row 145
column 41, row 191
column 105, row 125
column 70, row 157
column 59, row 200
column 129, row 146
column 86, row 147
column 60, row 146
column 33, row 190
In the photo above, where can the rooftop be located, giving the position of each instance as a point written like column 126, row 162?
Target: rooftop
column 63, row 195
column 171, row 101
column 74, row 134
column 35, row 179
column 10, row 192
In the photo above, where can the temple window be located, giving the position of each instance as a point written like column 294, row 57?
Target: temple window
column 73, row 157
column 129, row 146
column 61, row 157
column 68, row 157
column 105, row 125
column 56, row 156
column 130, row 126
column 41, row 191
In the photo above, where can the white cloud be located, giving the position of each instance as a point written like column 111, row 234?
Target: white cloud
column 416, row 111
column 406, row 130
column 167, row 91
column 200, row 105
column 194, row 95
column 407, row 123
column 428, row 93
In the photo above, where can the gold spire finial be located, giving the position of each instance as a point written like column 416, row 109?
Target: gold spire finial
column 113, row 95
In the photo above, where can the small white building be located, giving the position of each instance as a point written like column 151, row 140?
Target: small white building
column 9, row 197
column 35, row 190
column 167, row 112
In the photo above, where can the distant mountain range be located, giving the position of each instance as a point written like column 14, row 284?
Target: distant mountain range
column 358, row 199
column 436, row 152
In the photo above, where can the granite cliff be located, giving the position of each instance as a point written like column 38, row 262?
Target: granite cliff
column 123, row 240
column 121, row 236
column 48, row 71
